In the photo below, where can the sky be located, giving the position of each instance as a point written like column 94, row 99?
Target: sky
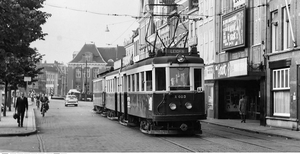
column 68, row 30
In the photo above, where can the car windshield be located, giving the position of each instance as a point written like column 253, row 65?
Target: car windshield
column 72, row 97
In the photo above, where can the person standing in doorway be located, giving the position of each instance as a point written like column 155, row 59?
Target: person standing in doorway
column 21, row 106
column 243, row 108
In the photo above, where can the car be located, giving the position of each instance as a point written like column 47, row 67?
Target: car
column 71, row 100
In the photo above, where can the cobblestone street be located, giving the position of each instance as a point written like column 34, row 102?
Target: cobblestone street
column 79, row 129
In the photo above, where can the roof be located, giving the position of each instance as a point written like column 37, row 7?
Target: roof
column 114, row 53
column 97, row 57
column 50, row 69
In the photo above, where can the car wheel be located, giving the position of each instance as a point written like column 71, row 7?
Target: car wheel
column 76, row 104
column 66, row 105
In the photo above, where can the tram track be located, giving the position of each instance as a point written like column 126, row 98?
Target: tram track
column 178, row 144
column 237, row 140
column 41, row 143
column 256, row 136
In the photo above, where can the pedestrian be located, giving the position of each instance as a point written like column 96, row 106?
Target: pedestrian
column 21, row 106
column 243, row 108
column 14, row 99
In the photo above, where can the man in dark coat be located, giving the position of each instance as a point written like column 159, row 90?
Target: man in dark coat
column 243, row 108
column 21, row 105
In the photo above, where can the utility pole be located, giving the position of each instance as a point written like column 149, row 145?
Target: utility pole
column 85, row 80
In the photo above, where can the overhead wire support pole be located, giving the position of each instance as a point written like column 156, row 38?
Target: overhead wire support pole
column 85, row 80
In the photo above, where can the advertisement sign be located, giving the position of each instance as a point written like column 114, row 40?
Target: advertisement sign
column 233, row 29
column 221, row 70
column 238, row 67
column 209, row 72
column 232, row 68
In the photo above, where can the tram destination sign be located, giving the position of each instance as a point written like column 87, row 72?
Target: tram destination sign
column 169, row 51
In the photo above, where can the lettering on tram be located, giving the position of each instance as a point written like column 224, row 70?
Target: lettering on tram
column 176, row 50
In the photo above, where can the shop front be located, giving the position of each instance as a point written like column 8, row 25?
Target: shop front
column 231, row 80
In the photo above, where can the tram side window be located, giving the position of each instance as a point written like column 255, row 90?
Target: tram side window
column 133, row 82
column 129, row 83
column 137, row 82
column 142, row 81
column 160, row 77
column 149, row 80
column 197, row 78
column 100, row 86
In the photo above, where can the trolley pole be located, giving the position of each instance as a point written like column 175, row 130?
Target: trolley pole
column 85, row 80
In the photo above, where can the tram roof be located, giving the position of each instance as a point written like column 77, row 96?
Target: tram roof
column 156, row 60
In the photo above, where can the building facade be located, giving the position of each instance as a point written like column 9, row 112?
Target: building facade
column 89, row 62
column 236, row 65
column 283, row 59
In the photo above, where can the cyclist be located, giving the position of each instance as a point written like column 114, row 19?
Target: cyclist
column 44, row 100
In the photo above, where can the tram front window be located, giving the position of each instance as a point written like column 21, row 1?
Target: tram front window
column 179, row 78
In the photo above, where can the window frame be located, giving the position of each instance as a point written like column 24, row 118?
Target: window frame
column 274, row 31
column 281, row 87
column 286, row 31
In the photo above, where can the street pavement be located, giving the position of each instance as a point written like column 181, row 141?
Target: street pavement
column 9, row 126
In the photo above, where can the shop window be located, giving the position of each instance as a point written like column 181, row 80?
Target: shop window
column 160, row 79
column 281, row 92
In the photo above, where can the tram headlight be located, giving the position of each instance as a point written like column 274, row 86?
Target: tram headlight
column 188, row 105
column 172, row 106
column 180, row 58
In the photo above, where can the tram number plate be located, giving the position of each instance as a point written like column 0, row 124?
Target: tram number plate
column 180, row 96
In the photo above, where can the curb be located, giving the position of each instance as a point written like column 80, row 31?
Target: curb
column 34, row 131
column 253, row 131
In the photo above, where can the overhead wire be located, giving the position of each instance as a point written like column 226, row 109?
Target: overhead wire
column 122, row 33
column 139, row 17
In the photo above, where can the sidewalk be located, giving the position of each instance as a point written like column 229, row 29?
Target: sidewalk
column 9, row 125
column 255, row 127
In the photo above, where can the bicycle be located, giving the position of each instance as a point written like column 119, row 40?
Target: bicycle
column 44, row 108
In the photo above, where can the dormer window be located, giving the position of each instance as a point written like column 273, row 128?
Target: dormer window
column 88, row 56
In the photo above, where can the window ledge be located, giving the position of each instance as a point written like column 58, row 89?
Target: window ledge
column 281, row 118
column 283, row 51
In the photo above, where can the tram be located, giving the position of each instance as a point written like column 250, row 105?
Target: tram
column 163, row 94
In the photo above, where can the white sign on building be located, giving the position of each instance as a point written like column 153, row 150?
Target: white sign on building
column 237, row 3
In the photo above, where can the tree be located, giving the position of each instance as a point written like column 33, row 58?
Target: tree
column 20, row 24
